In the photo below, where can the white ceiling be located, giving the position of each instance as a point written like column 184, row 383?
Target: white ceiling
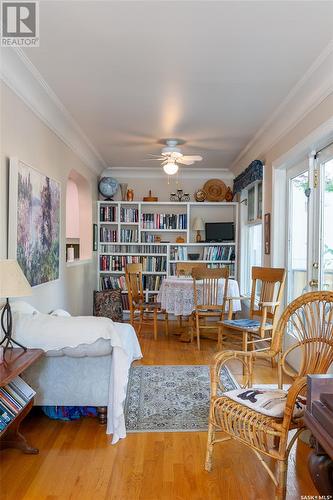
column 211, row 73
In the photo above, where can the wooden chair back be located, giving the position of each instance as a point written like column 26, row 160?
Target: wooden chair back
column 308, row 322
column 207, row 284
column 134, row 284
column 186, row 268
column 267, row 287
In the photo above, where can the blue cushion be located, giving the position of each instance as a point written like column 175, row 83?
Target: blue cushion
column 243, row 323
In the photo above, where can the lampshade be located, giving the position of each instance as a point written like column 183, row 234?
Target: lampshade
column 170, row 168
column 13, row 283
column 198, row 224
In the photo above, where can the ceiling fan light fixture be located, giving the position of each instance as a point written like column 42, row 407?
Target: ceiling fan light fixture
column 170, row 168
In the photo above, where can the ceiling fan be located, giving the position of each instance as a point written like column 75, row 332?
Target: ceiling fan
column 171, row 156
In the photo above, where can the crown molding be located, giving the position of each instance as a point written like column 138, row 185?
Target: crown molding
column 184, row 173
column 313, row 88
column 21, row 76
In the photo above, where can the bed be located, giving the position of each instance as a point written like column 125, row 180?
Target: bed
column 86, row 362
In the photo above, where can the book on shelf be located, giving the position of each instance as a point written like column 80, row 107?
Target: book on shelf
column 220, row 252
column 107, row 214
column 13, row 398
column 129, row 215
column 164, row 221
column 129, row 235
column 135, row 249
column 113, row 283
column 125, row 301
column 108, row 235
column 119, row 263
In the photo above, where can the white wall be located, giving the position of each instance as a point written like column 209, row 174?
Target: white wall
column 25, row 136
column 141, row 180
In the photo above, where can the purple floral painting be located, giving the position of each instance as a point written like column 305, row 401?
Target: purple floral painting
column 38, row 225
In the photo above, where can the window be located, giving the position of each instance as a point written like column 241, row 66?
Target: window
column 78, row 218
column 251, row 233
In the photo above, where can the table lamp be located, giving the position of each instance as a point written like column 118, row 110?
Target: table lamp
column 13, row 283
column 198, row 225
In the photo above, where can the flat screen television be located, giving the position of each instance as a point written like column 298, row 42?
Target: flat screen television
column 220, row 231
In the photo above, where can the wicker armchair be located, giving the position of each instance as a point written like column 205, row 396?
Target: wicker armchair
column 308, row 320
column 140, row 311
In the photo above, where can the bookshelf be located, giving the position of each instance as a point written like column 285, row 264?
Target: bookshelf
column 16, row 397
column 146, row 232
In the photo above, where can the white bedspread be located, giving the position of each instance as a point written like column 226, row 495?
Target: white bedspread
column 52, row 333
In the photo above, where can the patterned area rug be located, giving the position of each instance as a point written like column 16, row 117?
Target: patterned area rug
column 170, row 398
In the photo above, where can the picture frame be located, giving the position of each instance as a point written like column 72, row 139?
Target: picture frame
column 34, row 220
column 95, row 237
column 267, row 233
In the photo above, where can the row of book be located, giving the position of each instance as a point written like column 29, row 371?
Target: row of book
column 13, row 398
column 129, row 235
column 219, row 253
column 125, row 302
column 129, row 215
column 118, row 263
column 164, row 221
column 108, row 214
column 149, row 282
column 107, row 234
column 178, row 253
column 137, row 249
column 113, row 283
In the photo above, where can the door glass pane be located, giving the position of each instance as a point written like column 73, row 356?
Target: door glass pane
column 250, row 204
column 254, row 252
column 298, row 236
column 327, row 225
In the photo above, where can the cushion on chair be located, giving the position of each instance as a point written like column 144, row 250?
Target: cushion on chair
column 244, row 324
column 271, row 402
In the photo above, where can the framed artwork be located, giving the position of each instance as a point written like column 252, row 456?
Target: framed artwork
column 95, row 237
column 267, row 233
column 34, row 223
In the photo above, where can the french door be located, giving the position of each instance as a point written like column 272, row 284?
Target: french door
column 310, row 225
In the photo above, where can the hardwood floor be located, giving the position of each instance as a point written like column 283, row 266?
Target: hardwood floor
column 77, row 461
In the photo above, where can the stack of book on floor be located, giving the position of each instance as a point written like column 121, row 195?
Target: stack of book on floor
column 13, row 398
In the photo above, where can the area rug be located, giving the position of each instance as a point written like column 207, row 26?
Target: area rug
column 170, row 398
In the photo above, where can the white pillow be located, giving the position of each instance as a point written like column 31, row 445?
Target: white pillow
column 271, row 402
column 20, row 306
column 60, row 312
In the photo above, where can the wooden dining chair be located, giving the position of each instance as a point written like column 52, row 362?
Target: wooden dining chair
column 255, row 332
column 308, row 321
column 210, row 293
column 186, row 268
column 141, row 311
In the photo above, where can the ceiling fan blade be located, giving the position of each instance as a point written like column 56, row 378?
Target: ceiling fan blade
column 192, row 158
column 184, row 161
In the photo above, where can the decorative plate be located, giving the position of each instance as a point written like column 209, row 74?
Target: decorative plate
column 215, row 190
column 200, row 195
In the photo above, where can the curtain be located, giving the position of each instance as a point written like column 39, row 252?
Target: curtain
column 254, row 172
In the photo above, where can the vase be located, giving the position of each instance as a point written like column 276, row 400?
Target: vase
column 130, row 194
column 123, row 189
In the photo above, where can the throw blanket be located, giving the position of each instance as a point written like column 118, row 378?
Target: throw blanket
column 56, row 332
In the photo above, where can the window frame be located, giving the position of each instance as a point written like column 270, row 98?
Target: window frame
column 245, row 275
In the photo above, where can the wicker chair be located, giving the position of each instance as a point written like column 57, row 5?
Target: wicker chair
column 309, row 321
column 208, row 301
column 141, row 311
column 256, row 331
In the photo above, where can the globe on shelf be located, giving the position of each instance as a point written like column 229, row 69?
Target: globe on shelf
column 108, row 186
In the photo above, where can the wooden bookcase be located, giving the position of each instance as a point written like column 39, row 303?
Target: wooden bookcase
column 126, row 219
